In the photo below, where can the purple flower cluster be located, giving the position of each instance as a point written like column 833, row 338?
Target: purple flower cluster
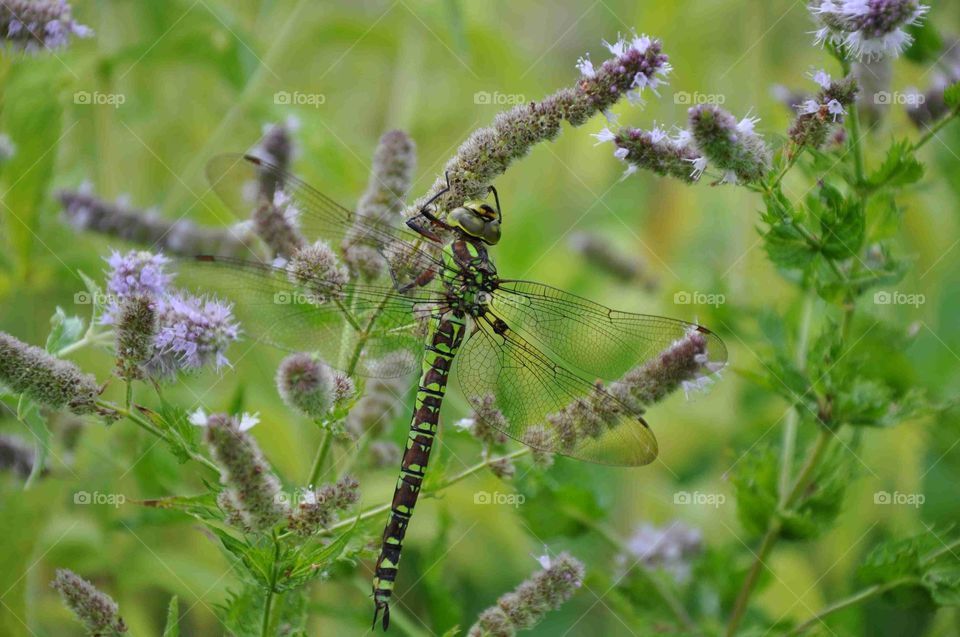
column 817, row 115
column 190, row 331
column 31, row 25
column 667, row 548
column 94, row 608
column 866, row 28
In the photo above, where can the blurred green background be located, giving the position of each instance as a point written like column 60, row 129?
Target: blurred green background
column 199, row 78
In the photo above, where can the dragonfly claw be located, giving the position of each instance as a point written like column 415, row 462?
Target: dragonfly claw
column 386, row 615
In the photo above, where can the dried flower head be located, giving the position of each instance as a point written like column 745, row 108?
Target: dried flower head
column 84, row 211
column 637, row 63
column 31, row 25
column 306, row 384
column 245, row 474
column 394, row 163
column 136, row 329
column 731, row 146
column 25, row 369
column 817, row 116
column 95, row 609
column 866, row 28
column 317, row 508
column 668, row 548
column 317, row 270
column 527, row 605
column 538, row 439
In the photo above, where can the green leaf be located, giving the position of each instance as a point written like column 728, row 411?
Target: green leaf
column 927, row 45
column 183, row 437
column 755, row 484
column 943, row 582
column 951, row 95
column 787, row 248
column 928, row 559
column 64, row 331
column 172, row 629
column 822, row 500
column 900, row 168
column 842, row 225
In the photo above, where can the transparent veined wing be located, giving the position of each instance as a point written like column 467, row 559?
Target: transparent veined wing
column 590, row 338
column 515, row 387
column 246, row 184
column 376, row 308
column 273, row 309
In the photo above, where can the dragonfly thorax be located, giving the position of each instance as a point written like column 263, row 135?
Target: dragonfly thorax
column 470, row 290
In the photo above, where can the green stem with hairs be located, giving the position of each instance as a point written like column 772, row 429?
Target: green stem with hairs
column 933, row 130
column 320, row 458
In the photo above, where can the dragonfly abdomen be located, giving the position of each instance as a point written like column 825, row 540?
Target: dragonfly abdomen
column 445, row 336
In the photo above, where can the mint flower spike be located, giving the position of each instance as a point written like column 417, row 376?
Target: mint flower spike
column 669, row 548
column 254, row 492
column 32, row 25
column 308, row 385
column 529, row 603
column 655, row 150
column 134, row 273
column 135, row 332
column 816, row 116
column 317, row 508
column 866, row 28
column 86, row 212
column 731, row 146
column 394, row 163
column 56, row 383
column 636, row 64
column 95, row 609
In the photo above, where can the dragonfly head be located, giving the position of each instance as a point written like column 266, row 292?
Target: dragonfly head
column 477, row 219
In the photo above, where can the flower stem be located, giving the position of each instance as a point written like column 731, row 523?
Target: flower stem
column 793, row 416
column 320, row 458
column 814, row 456
column 268, row 606
column 856, row 598
column 933, row 130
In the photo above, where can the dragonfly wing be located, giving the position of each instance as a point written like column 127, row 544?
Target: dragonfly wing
column 273, row 310
column 246, row 183
column 518, row 389
column 597, row 341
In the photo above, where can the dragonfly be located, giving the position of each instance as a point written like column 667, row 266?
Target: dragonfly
column 539, row 364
